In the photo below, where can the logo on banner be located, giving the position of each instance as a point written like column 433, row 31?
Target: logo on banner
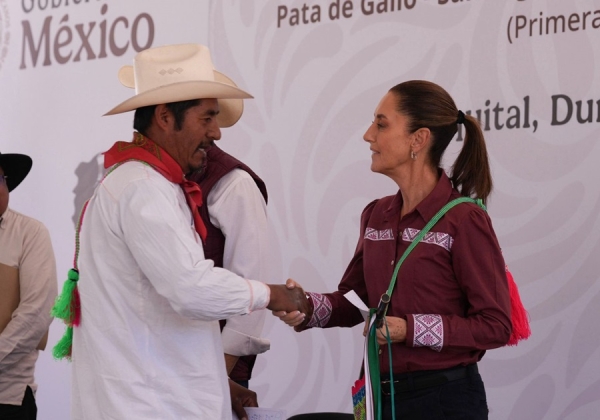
column 61, row 38
column 4, row 31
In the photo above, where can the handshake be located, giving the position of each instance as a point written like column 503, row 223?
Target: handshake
column 289, row 303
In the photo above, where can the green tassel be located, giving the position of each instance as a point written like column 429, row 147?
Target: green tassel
column 62, row 349
column 62, row 307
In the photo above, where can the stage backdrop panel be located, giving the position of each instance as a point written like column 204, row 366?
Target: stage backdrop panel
column 58, row 75
column 527, row 70
column 317, row 69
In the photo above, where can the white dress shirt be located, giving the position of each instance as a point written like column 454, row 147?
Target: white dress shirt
column 237, row 207
column 149, row 344
column 27, row 292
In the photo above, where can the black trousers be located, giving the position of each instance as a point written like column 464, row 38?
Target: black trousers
column 462, row 399
column 26, row 411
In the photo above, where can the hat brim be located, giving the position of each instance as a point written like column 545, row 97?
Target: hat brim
column 16, row 167
column 229, row 98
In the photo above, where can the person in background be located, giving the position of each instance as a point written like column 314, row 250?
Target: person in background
column 451, row 301
column 27, row 291
column 146, row 343
column 235, row 216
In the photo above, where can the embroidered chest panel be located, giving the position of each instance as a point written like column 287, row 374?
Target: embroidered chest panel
column 441, row 239
column 435, row 238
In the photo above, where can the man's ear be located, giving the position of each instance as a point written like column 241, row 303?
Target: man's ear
column 163, row 117
column 421, row 140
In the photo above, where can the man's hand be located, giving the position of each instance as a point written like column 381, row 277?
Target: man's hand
column 288, row 298
column 230, row 362
column 240, row 398
column 297, row 317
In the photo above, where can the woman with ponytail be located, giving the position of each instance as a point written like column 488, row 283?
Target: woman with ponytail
column 449, row 299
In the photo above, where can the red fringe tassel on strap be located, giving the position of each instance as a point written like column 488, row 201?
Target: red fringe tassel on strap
column 519, row 317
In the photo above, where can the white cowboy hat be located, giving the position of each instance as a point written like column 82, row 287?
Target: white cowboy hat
column 176, row 73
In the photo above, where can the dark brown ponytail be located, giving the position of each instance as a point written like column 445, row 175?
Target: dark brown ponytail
column 471, row 173
column 429, row 105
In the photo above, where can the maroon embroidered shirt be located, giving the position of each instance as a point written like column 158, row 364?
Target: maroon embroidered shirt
column 452, row 289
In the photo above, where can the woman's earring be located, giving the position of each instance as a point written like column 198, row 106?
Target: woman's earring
column 413, row 155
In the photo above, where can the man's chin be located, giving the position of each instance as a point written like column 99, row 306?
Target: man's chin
column 198, row 169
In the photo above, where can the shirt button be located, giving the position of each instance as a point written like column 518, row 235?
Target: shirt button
column 392, row 262
column 380, row 351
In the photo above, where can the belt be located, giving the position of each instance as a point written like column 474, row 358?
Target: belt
column 421, row 380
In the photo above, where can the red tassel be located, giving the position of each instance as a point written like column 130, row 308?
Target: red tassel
column 519, row 317
column 75, row 308
column 358, row 385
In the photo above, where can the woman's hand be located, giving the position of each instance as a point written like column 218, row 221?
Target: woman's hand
column 396, row 327
column 293, row 319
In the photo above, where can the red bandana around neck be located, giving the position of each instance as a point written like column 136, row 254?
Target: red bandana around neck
column 145, row 150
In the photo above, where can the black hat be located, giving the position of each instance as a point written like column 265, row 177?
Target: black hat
column 15, row 167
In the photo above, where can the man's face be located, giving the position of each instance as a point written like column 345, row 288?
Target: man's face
column 3, row 193
column 199, row 130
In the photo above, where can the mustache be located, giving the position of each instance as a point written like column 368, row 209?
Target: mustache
column 197, row 173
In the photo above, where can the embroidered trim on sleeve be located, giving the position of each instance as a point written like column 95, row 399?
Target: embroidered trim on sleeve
column 429, row 331
column 436, row 238
column 322, row 310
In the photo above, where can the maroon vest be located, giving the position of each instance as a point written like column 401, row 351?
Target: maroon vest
column 218, row 165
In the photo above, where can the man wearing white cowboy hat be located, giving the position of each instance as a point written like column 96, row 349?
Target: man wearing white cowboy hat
column 148, row 343
column 27, row 291
column 235, row 216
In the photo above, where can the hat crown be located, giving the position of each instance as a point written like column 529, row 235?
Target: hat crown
column 182, row 72
column 162, row 66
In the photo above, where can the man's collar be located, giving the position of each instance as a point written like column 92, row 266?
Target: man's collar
column 3, row 218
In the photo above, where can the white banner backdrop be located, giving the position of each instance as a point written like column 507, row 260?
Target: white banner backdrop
column 317, row 70
column 58, row 75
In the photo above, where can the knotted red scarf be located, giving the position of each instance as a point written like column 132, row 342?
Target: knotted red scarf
column 145, row 150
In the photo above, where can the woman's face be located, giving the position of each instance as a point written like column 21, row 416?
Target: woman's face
column 388, row 137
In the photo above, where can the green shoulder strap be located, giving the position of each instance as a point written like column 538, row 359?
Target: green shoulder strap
column 386, row 296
